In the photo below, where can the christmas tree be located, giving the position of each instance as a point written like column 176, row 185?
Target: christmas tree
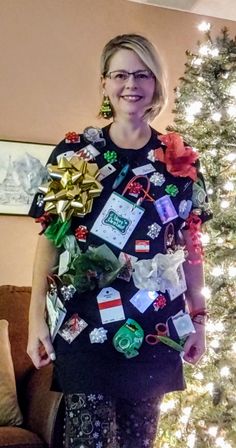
column 205, row 115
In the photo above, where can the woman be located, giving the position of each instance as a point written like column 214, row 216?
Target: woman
column 111, row 359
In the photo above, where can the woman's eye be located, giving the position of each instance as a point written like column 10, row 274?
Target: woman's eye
column 122, row 76
column 142, row 76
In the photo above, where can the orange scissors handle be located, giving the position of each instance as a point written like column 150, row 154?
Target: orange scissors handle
column 152, row 339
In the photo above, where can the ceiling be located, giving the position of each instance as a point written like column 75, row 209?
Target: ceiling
column 224, row 9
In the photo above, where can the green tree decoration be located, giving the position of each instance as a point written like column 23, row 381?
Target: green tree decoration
column 204, row 416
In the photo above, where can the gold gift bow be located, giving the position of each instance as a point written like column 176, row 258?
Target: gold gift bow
column 72, row 188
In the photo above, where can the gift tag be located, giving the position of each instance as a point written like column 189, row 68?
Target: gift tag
column 67, row 155
column 183, row 324
column 143, row 299
column 126, row 260
column 142, row 246
column 142, row 170
column 105, row 171
column 110, row 305
column 88, row 153
column 55, row 313
column 117, row 220
column 179, row 287
column 72, row 328
column 64, row 261
column 165, row 209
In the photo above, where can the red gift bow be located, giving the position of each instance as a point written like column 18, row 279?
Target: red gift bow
column 194, row 224
column 44, row 220
column 81, row 233
column 135, row 188
column 177, row 157
column 160, row 301
column 72, row 137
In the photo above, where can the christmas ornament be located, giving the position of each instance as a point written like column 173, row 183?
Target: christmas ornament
column 81, row 233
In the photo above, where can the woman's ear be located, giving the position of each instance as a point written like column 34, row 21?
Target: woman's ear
column 103, row 85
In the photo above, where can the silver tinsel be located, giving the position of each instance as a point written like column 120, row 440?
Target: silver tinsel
column 157, row 179
column 98, row 335
column 67, row 292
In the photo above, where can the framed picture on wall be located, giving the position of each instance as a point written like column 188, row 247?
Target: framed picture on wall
column 22, row 170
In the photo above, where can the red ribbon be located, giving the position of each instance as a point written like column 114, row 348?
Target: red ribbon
column 135, row 188
column 109, row 304
column 194, row 224
column 44, row 220
column 160, row 301
column 178, row 158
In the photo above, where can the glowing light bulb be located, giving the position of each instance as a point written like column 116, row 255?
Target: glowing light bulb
column 213, row 152
column 199, row 376
column 194, row 108
column 210, row 387
column 225, row 372
column 216, row 116
column 221, row 443
column 229, row 186
column 191, row 440
column 197, row 61
column 210, row 191
column 206, row 291
column 204, row 50
column 200, row 78
column 217, row 271
column 232, row 90
column 214, row 52
column 168, row 405
column 178, row 434
column 212, row 431
column 205, row 238
column 224, row 204
column 232, row 271
column 215, row 343
column 220, row 241
column 190, row 118
column 204, row 26
column 231, row 157
column 234, row 347
column 232, row 111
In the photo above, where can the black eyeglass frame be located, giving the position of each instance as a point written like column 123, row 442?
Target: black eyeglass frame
column 148, row 72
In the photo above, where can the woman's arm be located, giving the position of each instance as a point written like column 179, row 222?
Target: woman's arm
column 195, row 345
column 39, row 347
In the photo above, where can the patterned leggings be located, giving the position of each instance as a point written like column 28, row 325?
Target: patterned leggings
column 96, row 421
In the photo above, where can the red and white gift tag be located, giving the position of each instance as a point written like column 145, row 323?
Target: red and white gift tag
column 110, row 305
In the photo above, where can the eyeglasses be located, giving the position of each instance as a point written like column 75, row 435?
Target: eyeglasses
column 121, row 76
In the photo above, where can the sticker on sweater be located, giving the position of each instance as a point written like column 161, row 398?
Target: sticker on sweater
column 67, row 155
column 110, row 305
column 105, row 171
column 165, row 209
column 142, row 170
column 72, row 328
column 179, row 287
column 126, row 260
column 143, row 299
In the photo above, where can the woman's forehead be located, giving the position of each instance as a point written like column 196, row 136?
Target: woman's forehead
column 126, row 60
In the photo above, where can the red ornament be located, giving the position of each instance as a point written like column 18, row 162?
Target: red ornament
column 160, row 302
column 81, row 233
column 178, row 158
column 44, row 220
column 135, row 188
column 72, row 137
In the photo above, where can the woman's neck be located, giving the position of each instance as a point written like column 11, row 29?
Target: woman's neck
column 130, row 134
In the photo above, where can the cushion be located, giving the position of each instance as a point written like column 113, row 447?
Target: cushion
column 11, row 437
column 10, row 413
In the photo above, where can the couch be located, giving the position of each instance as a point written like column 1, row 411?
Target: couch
column 41, row 408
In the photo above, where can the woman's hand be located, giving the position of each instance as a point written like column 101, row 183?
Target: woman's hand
column 40, row 348
column 195, row 346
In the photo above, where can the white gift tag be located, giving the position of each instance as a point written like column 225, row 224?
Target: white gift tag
column 143, row 299
column 110, row 305
column 67, row 155
column 183, row 324
column 117, row 220
column 64, row 260
column 180, row 287
column 142, row 170
column 55, row 313
column 105, row 171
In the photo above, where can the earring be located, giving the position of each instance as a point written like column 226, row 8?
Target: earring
column 106, row 110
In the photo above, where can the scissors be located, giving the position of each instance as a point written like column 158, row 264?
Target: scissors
column 161, row 330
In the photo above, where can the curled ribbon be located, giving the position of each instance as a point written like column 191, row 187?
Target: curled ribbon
column 178, row 158
column 44, row 220
column 73, row 186
column 194, row 224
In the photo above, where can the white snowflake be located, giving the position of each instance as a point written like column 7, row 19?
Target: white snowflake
column 95, row 435
column 97, row 423
column 99, row 445
column 100, row 396
column 146, row 442
column 92, row 397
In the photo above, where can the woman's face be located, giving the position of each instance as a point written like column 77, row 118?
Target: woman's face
column 131, row 97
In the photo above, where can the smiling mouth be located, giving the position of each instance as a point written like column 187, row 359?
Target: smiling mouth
column 131, row 98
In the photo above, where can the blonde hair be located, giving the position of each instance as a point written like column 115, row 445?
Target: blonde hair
column 148, row 54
